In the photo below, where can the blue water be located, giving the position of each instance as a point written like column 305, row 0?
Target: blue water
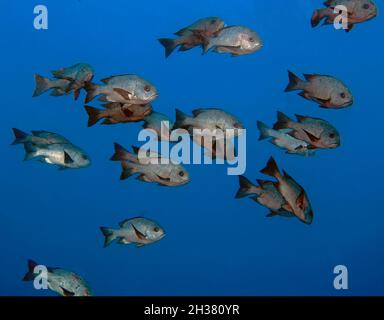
column 215, row 244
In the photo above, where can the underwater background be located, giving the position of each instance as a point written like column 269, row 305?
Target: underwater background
column 215, row 244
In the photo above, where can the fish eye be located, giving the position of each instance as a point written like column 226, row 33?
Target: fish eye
column 251, row 39
column 181, row 173
column 84, row 156
column 366, row 6
column 156, row 229
column 147, row 88
column 213, row 21
column 331, row 135
column 343, row 95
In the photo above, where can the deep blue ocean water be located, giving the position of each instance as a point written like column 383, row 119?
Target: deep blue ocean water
column 215, row 244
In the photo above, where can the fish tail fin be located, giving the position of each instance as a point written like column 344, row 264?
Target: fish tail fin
column 94, row 115
column 42, row 85
column 264, row 130
column 120, row 153
column 109, row 235
column 245, row 185
column 271, row 169
column 181, row 118
column 169, row 45
column 30, row 151
column 317, row 16
column 283, row 121
column 295, row 83
column 92, row 91
column 127, row 170
column 19, row 136
column 29, row 276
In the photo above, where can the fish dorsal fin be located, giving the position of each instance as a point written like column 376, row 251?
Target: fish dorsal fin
column 67, row 293
column 181, row 32
column 301, row 118
column 67, row 158
column 287, row 176
column 140, row 235
column 312, row 137
column 196, row 112
column 127, row 222
column 124, row 93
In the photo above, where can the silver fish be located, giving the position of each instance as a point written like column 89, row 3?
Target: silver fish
column 327, row 91
column 51, row 148
column 265, row 194
column 192, row 35
column 358, row 11
column 165, row 174
column 294, row 194
column 127, row 88
column 116, row 112
column 63, row 282
column 60, row 86
column 139, row 231
column 236, row 40
column 284, row 140
column 315, row 131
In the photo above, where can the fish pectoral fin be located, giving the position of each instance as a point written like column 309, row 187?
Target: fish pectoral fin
column 140, row 245
column 312, row 137
column 124, row 93
column 67, row 293
column 300, row 200
column 140, row 235
column 287, row 207
column 67, row 158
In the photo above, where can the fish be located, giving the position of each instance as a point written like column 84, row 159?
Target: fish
column 192, row 35
column 327, row 91
column 139, row 231
column 164, row 174
column 51, row 148
column 358, row 11
column 60, row 86
column 115, row 112
column 293, row 193
column 154, row 122
column 236, row 40
column 78, row 75
column 65, row 283
column 320, row 134
column 217, row 128
column 65, row 80
column 127, row 89
column 266, row 194
column 284, row 140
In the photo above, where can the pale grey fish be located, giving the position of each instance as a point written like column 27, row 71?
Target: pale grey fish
column 164, row 174
column 294, row 194
column 51, row 148
column 283, row 139
column 59, row 86
column 315, row 131
column 236, row 40
column 128, row 88
column 139, row 231
column 327, row 91
column 61, row 281
column 115, row 112
column 358, row 11
column 192, row 35
column 265, row 194
column 155, row 121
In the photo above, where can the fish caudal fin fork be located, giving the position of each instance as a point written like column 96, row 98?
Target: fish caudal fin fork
column 30, row 275
column 169, row 45
column 245, row 185
column 109, row 235
column 93, row 115
column 19, row 136
column 42, row 85
column 263, row 128
column 294, row 82
column 271, row 169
